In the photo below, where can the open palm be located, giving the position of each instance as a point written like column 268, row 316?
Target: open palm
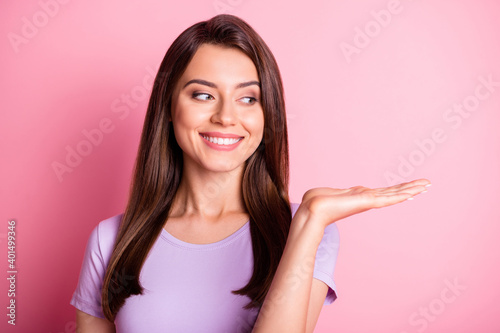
column 328, row 205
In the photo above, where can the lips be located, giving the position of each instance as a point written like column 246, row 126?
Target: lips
column 221, row 135
column 221, row 141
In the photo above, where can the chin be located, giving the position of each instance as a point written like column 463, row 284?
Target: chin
column 223, row 167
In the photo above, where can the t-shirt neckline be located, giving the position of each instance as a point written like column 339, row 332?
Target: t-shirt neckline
column 221, row 243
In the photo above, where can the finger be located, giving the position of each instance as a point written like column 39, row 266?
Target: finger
column 392, row 188
column 389, row 200
column 419, row 182
column 413, row 190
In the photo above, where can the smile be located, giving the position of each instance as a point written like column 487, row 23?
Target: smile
column 221, row 141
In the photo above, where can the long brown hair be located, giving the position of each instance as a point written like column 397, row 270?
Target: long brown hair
column 158, row 168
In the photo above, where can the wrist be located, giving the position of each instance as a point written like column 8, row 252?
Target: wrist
column 307, row 225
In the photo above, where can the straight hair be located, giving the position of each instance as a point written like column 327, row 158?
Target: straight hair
column 158, row 168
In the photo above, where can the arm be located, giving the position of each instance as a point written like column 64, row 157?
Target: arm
column 293, row 302
column 318, row 294
column 86, row 323
column 87, row 296
column 287, row 304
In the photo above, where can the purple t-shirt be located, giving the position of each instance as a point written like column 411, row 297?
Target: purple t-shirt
column 187, row 287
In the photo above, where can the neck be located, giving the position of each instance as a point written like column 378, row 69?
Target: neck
column 208, row 194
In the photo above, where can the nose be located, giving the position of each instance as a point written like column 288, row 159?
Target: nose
column 225, row 113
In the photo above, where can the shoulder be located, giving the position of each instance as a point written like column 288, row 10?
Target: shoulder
column 100, row 243
column 103, row 236
column 108, row 228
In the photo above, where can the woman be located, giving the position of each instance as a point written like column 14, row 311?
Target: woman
column 209, row 241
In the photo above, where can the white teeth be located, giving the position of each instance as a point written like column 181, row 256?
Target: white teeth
column 222, row 141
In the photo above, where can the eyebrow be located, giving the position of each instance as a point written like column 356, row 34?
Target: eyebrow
column 213, row 85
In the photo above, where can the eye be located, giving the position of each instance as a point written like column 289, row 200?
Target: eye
column 248, row 100
column 203, row 96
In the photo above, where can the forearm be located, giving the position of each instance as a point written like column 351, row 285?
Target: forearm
column 286, row 304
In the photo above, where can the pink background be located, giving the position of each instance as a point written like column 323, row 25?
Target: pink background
column 381, row 108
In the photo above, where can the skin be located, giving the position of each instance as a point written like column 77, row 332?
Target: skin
column 294, row 299
column 86, row 323
column 208, row 205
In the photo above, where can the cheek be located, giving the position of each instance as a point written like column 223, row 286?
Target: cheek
column 188, row 117
column 184, row 123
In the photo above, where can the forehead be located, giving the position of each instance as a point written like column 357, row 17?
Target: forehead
column 222, row 64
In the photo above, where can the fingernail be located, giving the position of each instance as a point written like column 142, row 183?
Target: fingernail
column 410, row 198
column 423, row 191
column 428, row 185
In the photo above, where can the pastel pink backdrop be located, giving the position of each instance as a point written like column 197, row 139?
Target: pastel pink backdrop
column 370, row 90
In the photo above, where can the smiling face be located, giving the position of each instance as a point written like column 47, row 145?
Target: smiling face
column 216, row 111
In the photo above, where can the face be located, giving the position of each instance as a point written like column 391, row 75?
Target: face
column 216, row 111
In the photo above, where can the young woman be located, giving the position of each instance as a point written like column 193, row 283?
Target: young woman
column 209, row 241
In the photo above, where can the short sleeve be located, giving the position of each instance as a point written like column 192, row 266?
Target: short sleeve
column 87, row 295
column 326, row 258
